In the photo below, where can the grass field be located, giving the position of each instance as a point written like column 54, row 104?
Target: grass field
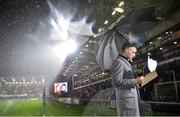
column 34, row 108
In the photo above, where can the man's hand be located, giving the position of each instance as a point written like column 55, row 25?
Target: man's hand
column 140, row 79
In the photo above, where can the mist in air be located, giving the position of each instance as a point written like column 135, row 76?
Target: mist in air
column 44, row 50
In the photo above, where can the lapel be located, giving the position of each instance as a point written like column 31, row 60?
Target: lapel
column 123, row 59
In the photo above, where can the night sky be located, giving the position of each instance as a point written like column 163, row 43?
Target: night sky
column 20, row 53
column 25, row 30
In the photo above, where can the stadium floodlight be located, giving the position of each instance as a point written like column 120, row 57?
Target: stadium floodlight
column 65, row 48
column 106, row 22
column 118, row 9
column 43, row 81
column 121, row 4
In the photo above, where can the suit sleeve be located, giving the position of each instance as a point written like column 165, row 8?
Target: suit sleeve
column 117, row 74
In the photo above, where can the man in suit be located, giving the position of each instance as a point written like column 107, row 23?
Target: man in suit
column 125, row 82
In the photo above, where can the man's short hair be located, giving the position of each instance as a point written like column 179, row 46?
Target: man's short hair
column 128, row 45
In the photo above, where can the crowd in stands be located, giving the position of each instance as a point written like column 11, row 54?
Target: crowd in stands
column 168, row 55
column 101, row 91
column 91, row 80
column 19, row 91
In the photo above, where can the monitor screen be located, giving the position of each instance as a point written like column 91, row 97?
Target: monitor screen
column 60, row 87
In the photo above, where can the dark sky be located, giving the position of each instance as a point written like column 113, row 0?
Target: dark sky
column 24, row 31
column 20, row 19
column 18, row 16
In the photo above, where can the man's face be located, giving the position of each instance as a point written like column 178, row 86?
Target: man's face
column 130, row 52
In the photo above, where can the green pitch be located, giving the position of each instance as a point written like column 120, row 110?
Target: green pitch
column 34, row 108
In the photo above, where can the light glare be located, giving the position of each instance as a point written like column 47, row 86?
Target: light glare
column 65, row 48
column 114, row 12
column 121, row 4
column 120, row 10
